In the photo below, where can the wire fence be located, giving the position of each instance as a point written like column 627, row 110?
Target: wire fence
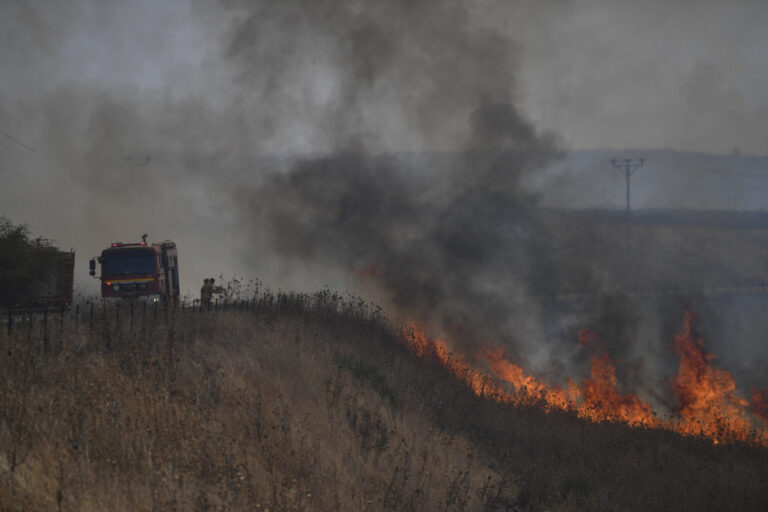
column 125, row 314
column 113, row 321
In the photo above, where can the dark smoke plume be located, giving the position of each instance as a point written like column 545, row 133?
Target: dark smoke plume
column 447, row 234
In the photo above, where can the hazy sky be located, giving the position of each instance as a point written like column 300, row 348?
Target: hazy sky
column 683, row 74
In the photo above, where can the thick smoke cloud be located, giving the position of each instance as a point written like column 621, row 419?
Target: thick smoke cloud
column 452, row 255
column 385, row 75
column 446, row 235
column 386, row 148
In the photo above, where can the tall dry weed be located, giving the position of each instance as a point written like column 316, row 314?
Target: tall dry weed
column 309, row 402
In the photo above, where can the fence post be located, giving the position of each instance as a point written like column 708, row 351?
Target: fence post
column 45, row 329
column 10, row 319
column 105, row 326
column 29, row 327
column 61, row 326
column 170, row 330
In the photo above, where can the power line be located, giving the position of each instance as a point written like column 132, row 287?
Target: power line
column 3, row 169
column 17, row 141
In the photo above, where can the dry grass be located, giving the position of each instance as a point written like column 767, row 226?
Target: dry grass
column 220, row 411
column 310, row 403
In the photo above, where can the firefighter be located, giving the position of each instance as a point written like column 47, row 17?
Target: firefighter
column 206, row 292
column 214, row 289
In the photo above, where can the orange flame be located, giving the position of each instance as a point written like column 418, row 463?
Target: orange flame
column 759, row 404
column 603, row 402
column 529, row 389
column 708, row 403
column 438, row 352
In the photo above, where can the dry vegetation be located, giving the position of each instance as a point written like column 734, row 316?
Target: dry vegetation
column 302, row 402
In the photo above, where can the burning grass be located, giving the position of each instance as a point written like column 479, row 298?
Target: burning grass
column 709, row 405
column 304, row 402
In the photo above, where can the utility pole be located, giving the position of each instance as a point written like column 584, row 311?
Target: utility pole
column 628, row 166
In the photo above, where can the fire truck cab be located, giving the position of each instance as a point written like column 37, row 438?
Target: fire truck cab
column 139, row 271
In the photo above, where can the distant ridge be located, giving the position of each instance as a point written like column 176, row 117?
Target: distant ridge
column 670, row 179
column 726, row 219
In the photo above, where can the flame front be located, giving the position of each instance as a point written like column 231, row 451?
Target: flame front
column 527, row 388
column 707, row 402
column 603, row 402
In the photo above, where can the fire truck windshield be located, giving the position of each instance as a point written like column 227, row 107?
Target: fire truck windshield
column 127, row 262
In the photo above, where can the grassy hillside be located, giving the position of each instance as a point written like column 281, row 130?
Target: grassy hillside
column 310, row 403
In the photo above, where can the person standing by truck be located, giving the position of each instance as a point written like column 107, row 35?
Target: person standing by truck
column 206, row 292
column 214, row 289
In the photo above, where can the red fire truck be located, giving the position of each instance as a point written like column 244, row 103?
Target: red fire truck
column 139, row 270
